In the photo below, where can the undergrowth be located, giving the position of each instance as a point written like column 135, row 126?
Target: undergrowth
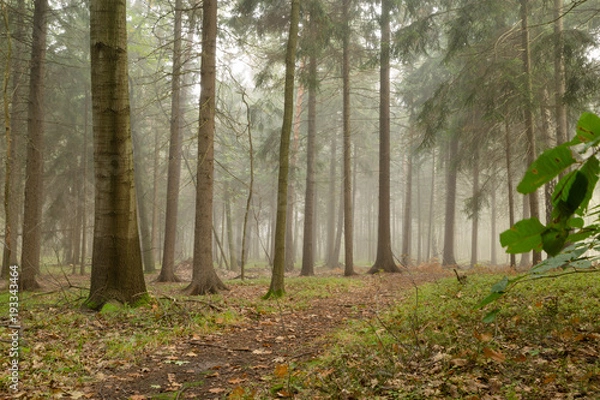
column 544, row 344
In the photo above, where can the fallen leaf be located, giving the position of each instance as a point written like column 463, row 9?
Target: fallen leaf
column 459, row 362
column 281, row 370
column 216, row 390
column 483, row 337
column 236, row 393
column 493, row 354
column 236, row 381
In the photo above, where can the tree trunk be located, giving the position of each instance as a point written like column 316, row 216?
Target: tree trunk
column 167, row 271
column 509, row 179
column 385, row 259
column 15, row 72
column 117, row 270
column 531, row 150
column 494, row 224
column 406, row 223
column 204, row 277
column 450, row 218
column 277, row 288
column 84, row 189
column 245, row 232
column 233, row 263
column 431, row 201
column 34, row 172
column 331, row 261
column 347, row 179
column 476, row 203
column 559, row 74
column 308, row 246
column 144, row 224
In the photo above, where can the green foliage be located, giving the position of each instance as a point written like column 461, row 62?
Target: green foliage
column 567, row 238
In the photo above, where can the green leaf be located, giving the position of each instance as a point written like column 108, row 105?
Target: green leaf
column 524, row 236
column 588, row 128
column 491, row 316
column 548, row 165
column 489, row 299
column 500, row 287
column 591, row 170
column 568, row 255
column 553, row 240
column 575, row 222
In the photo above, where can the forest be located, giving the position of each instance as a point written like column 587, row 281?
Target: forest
column 349, row 199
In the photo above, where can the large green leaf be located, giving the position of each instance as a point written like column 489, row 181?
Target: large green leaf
column 524, row 236
column 547, row 166
column 588, row 128
column 591, row 170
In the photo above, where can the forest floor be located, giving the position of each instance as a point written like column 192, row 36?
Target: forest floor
column 413, row 335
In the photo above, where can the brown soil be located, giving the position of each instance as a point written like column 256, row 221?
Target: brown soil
column 245, row 358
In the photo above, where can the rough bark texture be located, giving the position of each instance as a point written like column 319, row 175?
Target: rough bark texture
column 509, row 179
column 15, row 72
column 529, row 121
column 277, row 287
column 385, row 259
column 34, row 170
column 204, row 276
column 450, row 218
column 167, row 272
column 308, row 246
column 348, row 194
column 117, row 271
column 559, row 72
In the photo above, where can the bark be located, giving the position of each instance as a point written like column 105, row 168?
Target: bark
column 332, row 261
column 475, row 217
column 406, row 222
column 431, row 201
column 277, row 288
column 509, row 179
column 34, row 170
column 494, row 224
column 245, row 232
column 143, row 220
column 450, row 206
column 204, row 276
column 233, row 263
column 308, row 245
column 117, row 270
column 559, row 74
column 529, row 124
column 14, row 73
column 167, row 272
column 347, row 179
column 84, row 188
column 385, row 259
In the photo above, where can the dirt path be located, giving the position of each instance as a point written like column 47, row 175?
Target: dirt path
column 250, row 355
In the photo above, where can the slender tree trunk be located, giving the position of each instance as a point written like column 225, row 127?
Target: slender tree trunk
column 331, row 261
column 290, row 236
column 509, row 179
column 277, row 287
column 233, row 263
column 385, row 259
column 14, row 109
column 144, row 224
column 525, row 257
column 204, row 276
column 450, row 218
column 34, row 172
column 494, row 224
column 406, row 223
column 476, row 202
column 531, row 149
column 559, row 74
column 155, row 208
column 245, row 233
column 431, row 201
column 308, row 247
column 167, row 272
column 84, row 188
column 117, row 269
column 347, row 179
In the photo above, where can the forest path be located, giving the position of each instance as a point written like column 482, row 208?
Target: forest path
column 256, row 353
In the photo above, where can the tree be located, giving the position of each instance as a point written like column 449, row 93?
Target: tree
column 167, row 272
column 117, row 271
column 33, row 201
column 204, row 276
column 277, row 287
column 385, row 258
column 347, row 133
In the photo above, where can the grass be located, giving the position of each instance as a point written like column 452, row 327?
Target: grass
column 543, row 344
